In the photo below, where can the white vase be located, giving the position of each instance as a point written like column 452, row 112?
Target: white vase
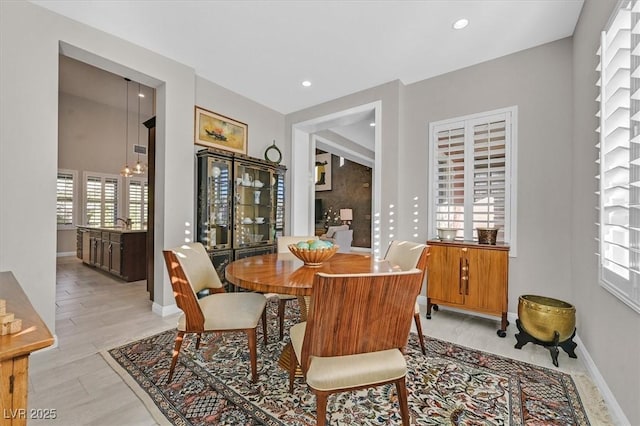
column 256, row 197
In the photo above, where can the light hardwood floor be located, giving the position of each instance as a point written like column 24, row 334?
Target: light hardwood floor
column 95, row 312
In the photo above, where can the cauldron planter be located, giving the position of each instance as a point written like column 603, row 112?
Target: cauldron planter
column 547, row 322
column 542, row 316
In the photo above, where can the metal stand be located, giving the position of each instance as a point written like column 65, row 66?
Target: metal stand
column 568, row 345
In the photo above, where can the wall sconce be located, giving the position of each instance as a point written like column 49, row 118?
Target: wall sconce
column 346, row 216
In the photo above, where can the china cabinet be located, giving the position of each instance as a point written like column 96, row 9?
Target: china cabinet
column 240, row 209
column 470, row 276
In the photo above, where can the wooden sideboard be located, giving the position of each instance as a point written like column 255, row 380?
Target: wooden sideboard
column 14, row 354
column 470, row 276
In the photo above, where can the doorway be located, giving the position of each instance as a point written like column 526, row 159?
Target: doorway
column 100, row 129
column 312, row 134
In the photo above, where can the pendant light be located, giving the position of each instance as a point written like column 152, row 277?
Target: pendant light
column 139, row 168
column 126, row 171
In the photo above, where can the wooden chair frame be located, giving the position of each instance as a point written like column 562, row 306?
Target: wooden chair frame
column 356, row 314
column 194, row 317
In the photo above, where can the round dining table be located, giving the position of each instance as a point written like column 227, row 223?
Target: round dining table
column 284, row 273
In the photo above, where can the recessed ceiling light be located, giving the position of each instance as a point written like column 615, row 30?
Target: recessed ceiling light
column 306, row 83
column 372, row 124
column 141, row 95
column 460, row 24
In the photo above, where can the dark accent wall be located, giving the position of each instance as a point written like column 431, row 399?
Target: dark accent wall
column 350, row 189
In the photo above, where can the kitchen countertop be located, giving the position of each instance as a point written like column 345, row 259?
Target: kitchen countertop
column 120, row 229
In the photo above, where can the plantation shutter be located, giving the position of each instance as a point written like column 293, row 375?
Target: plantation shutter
column 489, row 175
column 93, row 197
column 471, row 174
column 450, row 174
column 101, row 200
column 619, row 156
column 138, row 201
column 65, row 198
column 110, row 201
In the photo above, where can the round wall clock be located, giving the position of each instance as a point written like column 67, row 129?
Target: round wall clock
column 273, row 154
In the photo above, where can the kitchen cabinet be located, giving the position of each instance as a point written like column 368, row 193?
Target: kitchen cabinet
column 469, row 276
column 121, row 252
column 240, row 207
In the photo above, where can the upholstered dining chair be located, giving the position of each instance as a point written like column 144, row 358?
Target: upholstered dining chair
column 408, row 255
column 356, row 326
column 191, row 271
column 283, row 243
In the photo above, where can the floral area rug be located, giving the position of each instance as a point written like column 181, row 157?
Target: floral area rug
column 451, row 385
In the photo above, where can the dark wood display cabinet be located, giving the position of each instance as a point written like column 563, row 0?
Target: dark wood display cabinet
column 240, row 209
column 469, row 276
column 121, row 252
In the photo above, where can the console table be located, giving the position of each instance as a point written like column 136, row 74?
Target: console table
column 15, row 350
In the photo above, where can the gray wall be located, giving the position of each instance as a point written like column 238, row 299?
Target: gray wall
column 538, row 81
column 609, row 329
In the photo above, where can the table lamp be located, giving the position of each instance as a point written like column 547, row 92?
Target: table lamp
column 346, row 215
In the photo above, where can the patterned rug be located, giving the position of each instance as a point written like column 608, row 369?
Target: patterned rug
column 451, row 385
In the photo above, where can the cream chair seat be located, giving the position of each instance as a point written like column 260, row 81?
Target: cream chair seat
column 191, row 271
column 342, row 348
column 408, row 255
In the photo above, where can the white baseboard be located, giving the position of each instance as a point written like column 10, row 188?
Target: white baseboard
column 164, row 311
column 617, row 415
column 66, row 253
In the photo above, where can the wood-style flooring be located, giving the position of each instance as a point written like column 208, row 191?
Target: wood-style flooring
column 95, row 312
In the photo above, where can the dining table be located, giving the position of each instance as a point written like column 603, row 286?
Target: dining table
column 284, row 273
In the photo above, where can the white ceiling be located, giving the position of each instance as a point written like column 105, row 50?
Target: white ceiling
column 264, row 49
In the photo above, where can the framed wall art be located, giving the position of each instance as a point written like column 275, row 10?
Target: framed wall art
column 217, row 131
column 323, row 172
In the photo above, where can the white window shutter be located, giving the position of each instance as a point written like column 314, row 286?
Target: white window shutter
column 619, row 156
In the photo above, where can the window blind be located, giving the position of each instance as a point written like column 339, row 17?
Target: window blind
column 489, row 175
column 65, row 198
column 450, row 178
column 101, row 200
column 472, row 184
column 619, row 155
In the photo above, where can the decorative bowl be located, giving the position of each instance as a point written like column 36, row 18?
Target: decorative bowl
column 313, row 258
column 487, row 235
column 447, row 234
column 255, row 238
column 540, row 316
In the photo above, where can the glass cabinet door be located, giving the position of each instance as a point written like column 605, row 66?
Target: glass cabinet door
column 214, row 205
column 254, row 205
column 278, row 202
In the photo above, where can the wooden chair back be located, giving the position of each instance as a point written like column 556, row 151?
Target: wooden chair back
column 359, row 313
column 183, row 292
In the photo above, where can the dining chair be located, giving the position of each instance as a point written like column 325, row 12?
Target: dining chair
column 283, row 243
column 408, row 255
column 356, row 327
column 191, row 272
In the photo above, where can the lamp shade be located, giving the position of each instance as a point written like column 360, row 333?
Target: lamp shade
column 346, row 214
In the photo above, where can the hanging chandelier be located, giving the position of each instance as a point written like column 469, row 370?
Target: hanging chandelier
column 139, row 168
column 126, row 170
